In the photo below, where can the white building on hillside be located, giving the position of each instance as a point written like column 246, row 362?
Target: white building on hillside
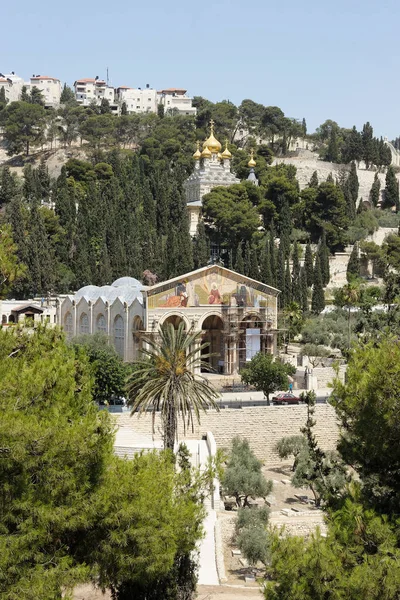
column 50, row 88
column 29, row 312
column 92, row 91
column 12, row 85
column 175, row 99
column 137, row 100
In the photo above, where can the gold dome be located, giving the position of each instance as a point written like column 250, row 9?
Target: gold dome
column 226, row 153
column 206, row 153
column 252, row 163
column 197, row 154
column 212, row 143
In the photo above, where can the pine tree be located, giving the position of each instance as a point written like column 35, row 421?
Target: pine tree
column 8, row 186
column 375, row 193
column 353, row 266
column 239, row 264
column 296, row 288
column 314, row 180
column 247, row 259
column 308, row 266
column 391, row 191
column 304, row 290
column 323, row 253
column 318, row 297
column 201, row 247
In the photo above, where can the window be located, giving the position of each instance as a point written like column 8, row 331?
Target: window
column 68, row 324
column 101, row 324
column 119, row 335
column 84, row 323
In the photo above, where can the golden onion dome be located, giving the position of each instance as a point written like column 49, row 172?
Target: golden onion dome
column 197, row 154
column 226, row 153
column 206, row 153
column 212, row 143
column 252, row 163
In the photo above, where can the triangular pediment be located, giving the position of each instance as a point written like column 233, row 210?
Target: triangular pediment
column 211, row 285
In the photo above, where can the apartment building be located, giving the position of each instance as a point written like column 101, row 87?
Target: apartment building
column 92, row 91
column 137, row 100
column 50, row 88
column 12, row 85
column 175, row 100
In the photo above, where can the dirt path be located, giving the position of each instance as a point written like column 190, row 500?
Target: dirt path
column 225, row 592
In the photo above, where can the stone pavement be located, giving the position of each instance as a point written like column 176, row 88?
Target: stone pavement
column 207, row 563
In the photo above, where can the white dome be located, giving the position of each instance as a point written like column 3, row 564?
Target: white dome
column 127, row 281
column 90, row 292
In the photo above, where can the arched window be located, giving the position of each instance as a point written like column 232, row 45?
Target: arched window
column 84, row 323
column 68, row 324
column 101, row 324
column 119, row 335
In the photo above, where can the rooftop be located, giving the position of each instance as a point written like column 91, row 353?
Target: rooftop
column 34, row 77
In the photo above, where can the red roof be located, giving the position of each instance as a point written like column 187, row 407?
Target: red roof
column 172, row 91
column 44, row 77
column 88, row 80
column 4, row 80
column 124, row 87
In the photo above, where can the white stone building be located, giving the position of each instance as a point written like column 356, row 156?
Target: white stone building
column 50, row 88
column 12, row 84
column 236, row 315
column 30, row 312
column 175, row 99
column 92, row 91
column 137, row 100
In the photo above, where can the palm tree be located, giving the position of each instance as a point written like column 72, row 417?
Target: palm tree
column 163, row 380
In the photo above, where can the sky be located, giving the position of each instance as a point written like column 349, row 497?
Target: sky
column 321, row 60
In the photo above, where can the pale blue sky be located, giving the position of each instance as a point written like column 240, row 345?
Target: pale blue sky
column 318, row 60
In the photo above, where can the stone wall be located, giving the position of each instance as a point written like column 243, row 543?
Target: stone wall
column 262, row 426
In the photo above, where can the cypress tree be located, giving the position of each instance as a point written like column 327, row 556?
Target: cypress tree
column 391, row 191
column 201, row 247
column 8, row 186
column 308, row 266
column 296, row 289
column 265, row 264
column 280, row 278
column 323, row 253
column 330, row 179
column 332, row 154
column 288, row 284
column 304, row 290
column 375, row 193
column 350, row 204
column 314, row 183
column 247, row 259
column 239, row 264
column 285, row 228
column 367, row 142
column 353, row 266
column 230, row 260
column 318, row 297
column 273, row 258
column 353, row 182
column 254, row 272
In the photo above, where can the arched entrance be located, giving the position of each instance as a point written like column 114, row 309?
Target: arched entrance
column 176, row 320
column 137, row 328
column 250, row 338
column 212, row 328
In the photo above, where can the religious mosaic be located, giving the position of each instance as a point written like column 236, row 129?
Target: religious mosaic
column 212, row 288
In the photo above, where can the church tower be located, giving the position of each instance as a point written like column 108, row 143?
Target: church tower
column 212, row 169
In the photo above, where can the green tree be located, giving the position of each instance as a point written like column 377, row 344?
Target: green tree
column 265, row 263
column 243, row 477
column 67, row 95
column 10, row 266
column 109, row 371
column 314, row 181
column 24, row 126
column 332, row 153
column 353, row 266
column 375, row 192
column 201, row 247
column 252, row 537
column 36, row 96
column 239, row 263
column 309, row 265
column 266, row 374
column 54, row 447
column 318, row 297
column 304, row 290
column 98, row 129
column 368, row 153
column 164, row 380
column 323, row 253
column 391, row 191
column 315, row 353
column 326, row 211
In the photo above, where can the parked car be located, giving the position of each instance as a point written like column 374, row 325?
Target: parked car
column 286, row 398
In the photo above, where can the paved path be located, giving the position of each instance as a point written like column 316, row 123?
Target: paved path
column 207, row 566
